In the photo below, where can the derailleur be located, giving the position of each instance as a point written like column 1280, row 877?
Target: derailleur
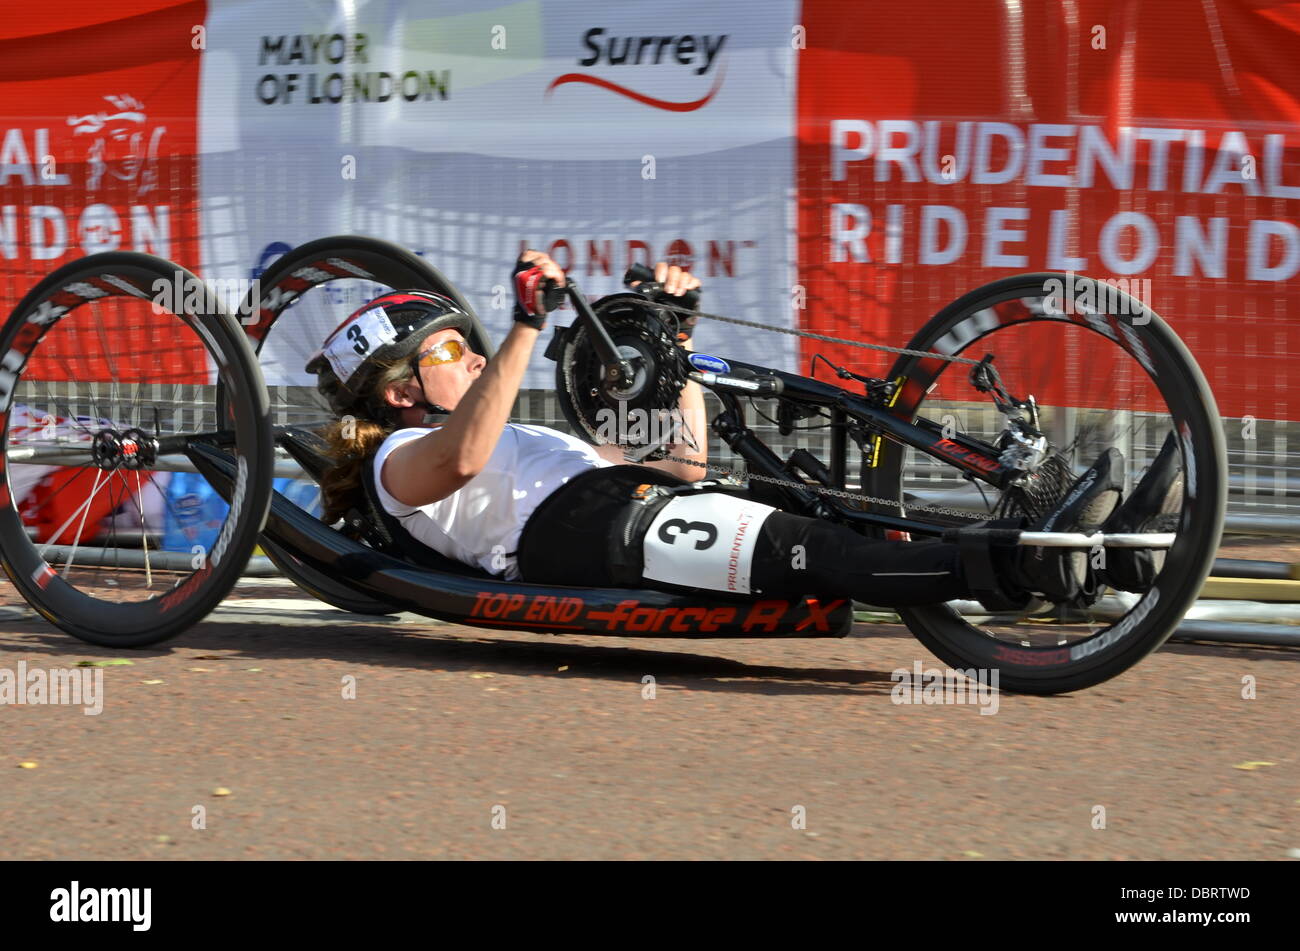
column 1023, row 445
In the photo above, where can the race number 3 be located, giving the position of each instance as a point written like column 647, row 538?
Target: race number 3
column 704, row 540
column 675, row 528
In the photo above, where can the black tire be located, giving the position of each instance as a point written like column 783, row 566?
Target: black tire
column 347, row 257
column 96, row 605
column 310, row 265
column 1170, row 370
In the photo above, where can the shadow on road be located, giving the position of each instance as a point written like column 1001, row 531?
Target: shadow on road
column 449, row 647
column 420, row 644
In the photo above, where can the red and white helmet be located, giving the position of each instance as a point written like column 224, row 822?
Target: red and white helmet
column 382, row 332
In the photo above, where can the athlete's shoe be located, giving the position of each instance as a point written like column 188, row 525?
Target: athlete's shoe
column 1061, row 574
column 1153, row 506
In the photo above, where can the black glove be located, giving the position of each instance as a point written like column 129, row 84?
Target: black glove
column 643, row 277
column 528, row 278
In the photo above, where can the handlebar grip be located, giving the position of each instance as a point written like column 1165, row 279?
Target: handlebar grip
column 552, row 295
column 638, row 272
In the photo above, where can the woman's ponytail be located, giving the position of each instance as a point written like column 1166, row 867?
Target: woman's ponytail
column 354, row 440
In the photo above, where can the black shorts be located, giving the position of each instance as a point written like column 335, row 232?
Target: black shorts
column 573, row 539
column 567, row 538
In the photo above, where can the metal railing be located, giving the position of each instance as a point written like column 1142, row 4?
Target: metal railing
column 1264, row 475
column 1263, row 455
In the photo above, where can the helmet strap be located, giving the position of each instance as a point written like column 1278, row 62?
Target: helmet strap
column 433, row 412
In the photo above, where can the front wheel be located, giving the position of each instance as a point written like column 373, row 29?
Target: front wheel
column 1106, row 373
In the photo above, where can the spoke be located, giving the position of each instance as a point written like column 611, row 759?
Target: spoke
column 161, row 492
column 84, row 511
column 1096, row 400
column 64, row 527
column 81, row 470
column 71, row 410
column 112, row 526
column 144, row 532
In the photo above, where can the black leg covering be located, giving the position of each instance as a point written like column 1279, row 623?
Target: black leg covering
column 987, row 551
column 796, row 556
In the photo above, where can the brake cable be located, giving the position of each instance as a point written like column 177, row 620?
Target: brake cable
column 813, row 336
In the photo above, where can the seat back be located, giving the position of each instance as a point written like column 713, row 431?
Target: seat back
column 308, row 449
column 393, row 538
column 369, row 521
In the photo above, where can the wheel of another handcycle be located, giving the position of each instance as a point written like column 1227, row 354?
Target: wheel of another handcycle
column 1106, row 372
column 339, row 258
column 106, row 396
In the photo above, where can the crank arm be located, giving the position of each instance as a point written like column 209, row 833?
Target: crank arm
column 618, row 371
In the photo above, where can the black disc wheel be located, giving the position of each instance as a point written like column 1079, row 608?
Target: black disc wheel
column 1105, row 372
column 128, row 505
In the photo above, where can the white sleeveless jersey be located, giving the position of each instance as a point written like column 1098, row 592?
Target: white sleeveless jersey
column 480, row 523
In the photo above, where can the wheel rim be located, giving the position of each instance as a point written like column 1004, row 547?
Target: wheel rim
column 105, row 376
column 344, row 271
column 1139, row 359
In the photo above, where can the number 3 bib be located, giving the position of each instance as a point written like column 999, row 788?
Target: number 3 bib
column 704, row 541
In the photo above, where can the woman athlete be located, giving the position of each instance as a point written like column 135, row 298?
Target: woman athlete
column 430, row 418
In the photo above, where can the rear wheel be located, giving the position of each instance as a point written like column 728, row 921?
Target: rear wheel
column 1105, row 372
column 348, row 270
column 109, row 371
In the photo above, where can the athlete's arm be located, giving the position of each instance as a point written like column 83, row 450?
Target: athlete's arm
column 430, row 468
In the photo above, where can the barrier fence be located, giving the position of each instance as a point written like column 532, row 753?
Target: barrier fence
column 1264, row 470
column 819, row 169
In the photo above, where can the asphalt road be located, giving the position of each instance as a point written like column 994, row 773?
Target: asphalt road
column 467, row 743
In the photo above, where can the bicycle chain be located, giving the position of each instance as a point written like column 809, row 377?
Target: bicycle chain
column 818, row 489
column 746, row 475
column 812, row 336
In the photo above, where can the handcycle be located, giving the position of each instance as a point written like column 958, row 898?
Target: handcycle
column 183, row 390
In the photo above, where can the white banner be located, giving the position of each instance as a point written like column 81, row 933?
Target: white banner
column 603, row 135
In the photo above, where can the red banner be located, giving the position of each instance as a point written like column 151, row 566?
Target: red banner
column 98, row 152
column 942, row 146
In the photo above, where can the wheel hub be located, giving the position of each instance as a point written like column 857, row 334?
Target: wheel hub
column 131, row 449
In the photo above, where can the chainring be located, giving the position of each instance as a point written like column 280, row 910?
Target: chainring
column 638, row 417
